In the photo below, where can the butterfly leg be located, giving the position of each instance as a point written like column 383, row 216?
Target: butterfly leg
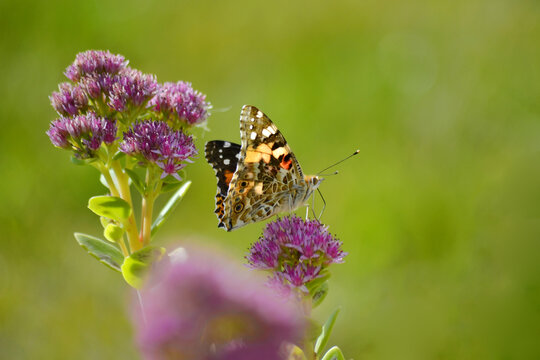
column 312, row 207
column 324, row 204
column 290, row 206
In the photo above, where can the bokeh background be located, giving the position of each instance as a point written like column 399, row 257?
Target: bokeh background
column 440, row 213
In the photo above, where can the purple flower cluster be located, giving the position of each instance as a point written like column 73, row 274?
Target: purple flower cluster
column 297, row 251
column 102, row 84
column 100, row 75
column 179, row 101
column 205, row 308
column 131, row 86
column 94, row 62
column 156, row 142
column 83, row 133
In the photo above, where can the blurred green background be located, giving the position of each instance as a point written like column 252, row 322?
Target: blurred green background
column 440, row 213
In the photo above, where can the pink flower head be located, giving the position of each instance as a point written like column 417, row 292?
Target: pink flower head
column 93, row 62
column 297, row 251
column 84, row 133
column 155, row 142
column 70, row 100
column 179, row 101
column 131, row 86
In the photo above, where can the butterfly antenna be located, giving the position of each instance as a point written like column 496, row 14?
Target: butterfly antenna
column 339, row 162
column 326, row 175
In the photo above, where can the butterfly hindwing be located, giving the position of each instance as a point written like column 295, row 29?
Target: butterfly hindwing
column 223, row 156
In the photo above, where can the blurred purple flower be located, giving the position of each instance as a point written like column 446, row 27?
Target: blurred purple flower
column 180, row 101
column 84, row 133
column 94, row 62
column 296, row 251
column 156, row 142
column 131, row 86
column 69, row 100
column 204, row 308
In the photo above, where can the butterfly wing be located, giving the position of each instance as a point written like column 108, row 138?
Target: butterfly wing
column 223, row 156
column 268, row 178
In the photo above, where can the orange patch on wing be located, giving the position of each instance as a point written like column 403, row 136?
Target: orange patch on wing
column 266, row 152
column 263, row 152
column 286, row 164
column 228, row 176
column 252, row 156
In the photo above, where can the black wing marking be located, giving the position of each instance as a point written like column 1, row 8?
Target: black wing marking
column 223, row 156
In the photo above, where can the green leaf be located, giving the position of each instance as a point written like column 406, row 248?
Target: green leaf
column 113, row 233
column 325, row 333
column 334, row 354
column 170, row 206
column 137, row 264
column 102, row 250
column 319, row 294
column 103, row 181
column 78, row 161
column 314, row 284
column 167, row 186
column 139, row 184
column 110, row 206
column 105, row 221
column 118, row 155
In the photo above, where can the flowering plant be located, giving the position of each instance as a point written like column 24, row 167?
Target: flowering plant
column 133, row 131
column 137, row 134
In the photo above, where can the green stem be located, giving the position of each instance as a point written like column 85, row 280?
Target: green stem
column 148, row 207
column 125, row 250
column 309, row 345
column 114, row 192
column 110, row 182
column 125, row 193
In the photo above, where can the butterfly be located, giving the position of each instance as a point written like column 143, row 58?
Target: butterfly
column 259, row 178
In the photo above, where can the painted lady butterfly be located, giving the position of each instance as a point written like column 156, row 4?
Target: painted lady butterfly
column 259, row 178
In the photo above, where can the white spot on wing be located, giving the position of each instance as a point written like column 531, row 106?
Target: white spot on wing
column 226, row 144
column 253, row 135
column 266, row 133
column 226, row 161
column 259, row 114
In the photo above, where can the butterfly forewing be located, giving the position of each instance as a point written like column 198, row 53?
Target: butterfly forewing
column 268, row 177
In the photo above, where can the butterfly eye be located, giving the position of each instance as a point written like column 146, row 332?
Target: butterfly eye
column 238, row 207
